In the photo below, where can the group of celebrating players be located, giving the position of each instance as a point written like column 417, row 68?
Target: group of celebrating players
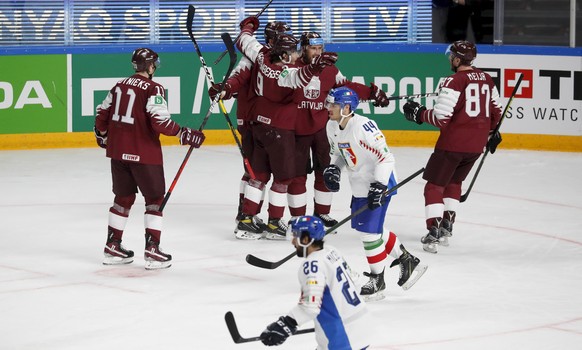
column 296, row 116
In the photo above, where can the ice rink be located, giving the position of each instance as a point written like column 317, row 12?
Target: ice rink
column 511, row 278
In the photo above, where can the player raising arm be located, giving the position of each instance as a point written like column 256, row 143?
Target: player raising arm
column 237, row 86
column 271, row 114
column 312, row 147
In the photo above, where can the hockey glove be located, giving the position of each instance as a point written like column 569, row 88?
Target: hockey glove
column 278, row 331
column 226, row 91
column 331, row 178
column 379, row 96
column 191, row 137
column 252, row 20
column 494, row 141
column 376, row 195
column 413, row 111
column 320, row 62
column 101, row 138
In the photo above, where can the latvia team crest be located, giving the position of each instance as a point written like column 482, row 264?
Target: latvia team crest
column 312, row 90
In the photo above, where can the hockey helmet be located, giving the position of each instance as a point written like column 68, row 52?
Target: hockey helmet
column 465, row 50
column 311, row 38
column 311, row 225
column 342, row 96
column 142, row 57
column 285, row 43
column 274, row 28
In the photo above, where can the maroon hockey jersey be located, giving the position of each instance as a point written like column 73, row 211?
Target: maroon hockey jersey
column 134, row 114
column 239, row 81
column 311, row 113
column 466, row 109
column 272, row 84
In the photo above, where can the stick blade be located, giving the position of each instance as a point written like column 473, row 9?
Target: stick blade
column 229, row 47
column 258, row 262
column 232, row 329
column 190, row 20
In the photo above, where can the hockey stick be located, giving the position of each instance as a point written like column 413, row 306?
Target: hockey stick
column 238, row 36
column 258, row 262
column 466, row 195
column 237, row 338
column 189, row 21
column 406, row 97
column 230, row 46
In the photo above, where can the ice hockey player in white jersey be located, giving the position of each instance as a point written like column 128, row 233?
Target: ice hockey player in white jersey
column 328, row 295
column 359, row 147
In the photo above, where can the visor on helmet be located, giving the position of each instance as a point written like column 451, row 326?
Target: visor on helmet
column 329, row 102
column 315, row 41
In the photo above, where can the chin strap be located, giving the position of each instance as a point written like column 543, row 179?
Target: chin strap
column 343, row 117
column 305, row 246
column 283, row 60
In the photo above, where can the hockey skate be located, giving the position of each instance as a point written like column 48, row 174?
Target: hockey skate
column 115, row 254
column 430, row 242
column 446, row 232
column 249, row 227
column 372, row 290
column 327, row 220
column 155, row 258
column 410, row 269
column 276, row 230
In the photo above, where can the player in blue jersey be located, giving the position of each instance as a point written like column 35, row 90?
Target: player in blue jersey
column 329, row 296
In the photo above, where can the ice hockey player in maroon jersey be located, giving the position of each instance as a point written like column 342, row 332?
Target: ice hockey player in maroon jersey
column 467, row 111
column 128, row 125
column 237, row 85
column 310, row 136
column 272, row 114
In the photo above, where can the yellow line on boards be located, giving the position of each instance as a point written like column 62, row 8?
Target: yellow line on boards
column 395, row 138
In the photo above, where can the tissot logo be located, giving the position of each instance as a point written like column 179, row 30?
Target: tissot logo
column 506, row 79
column 552, row 82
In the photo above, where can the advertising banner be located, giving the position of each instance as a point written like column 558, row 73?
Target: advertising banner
column 33, row 89
column 188, row 101
column 549, row 99
column 180, row 73
column 33, row 94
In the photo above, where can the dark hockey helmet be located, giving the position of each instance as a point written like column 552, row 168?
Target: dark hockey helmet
column 463, row 49
column 311, row 38
column 342, row 96
column 285, row 43
column 142, row 57
column 311, row 225
column 274, row 28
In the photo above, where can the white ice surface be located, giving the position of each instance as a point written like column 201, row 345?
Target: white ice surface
column 511, row 278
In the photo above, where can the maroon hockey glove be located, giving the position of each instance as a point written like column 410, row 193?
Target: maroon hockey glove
column 494, row 141
column 413, row 111
column 278, row 331
column 376, row 195
column 252, row 20
column 379, row 96
column 320, row 62
column 101, row 138
column 191, row 137
column 213, row 91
